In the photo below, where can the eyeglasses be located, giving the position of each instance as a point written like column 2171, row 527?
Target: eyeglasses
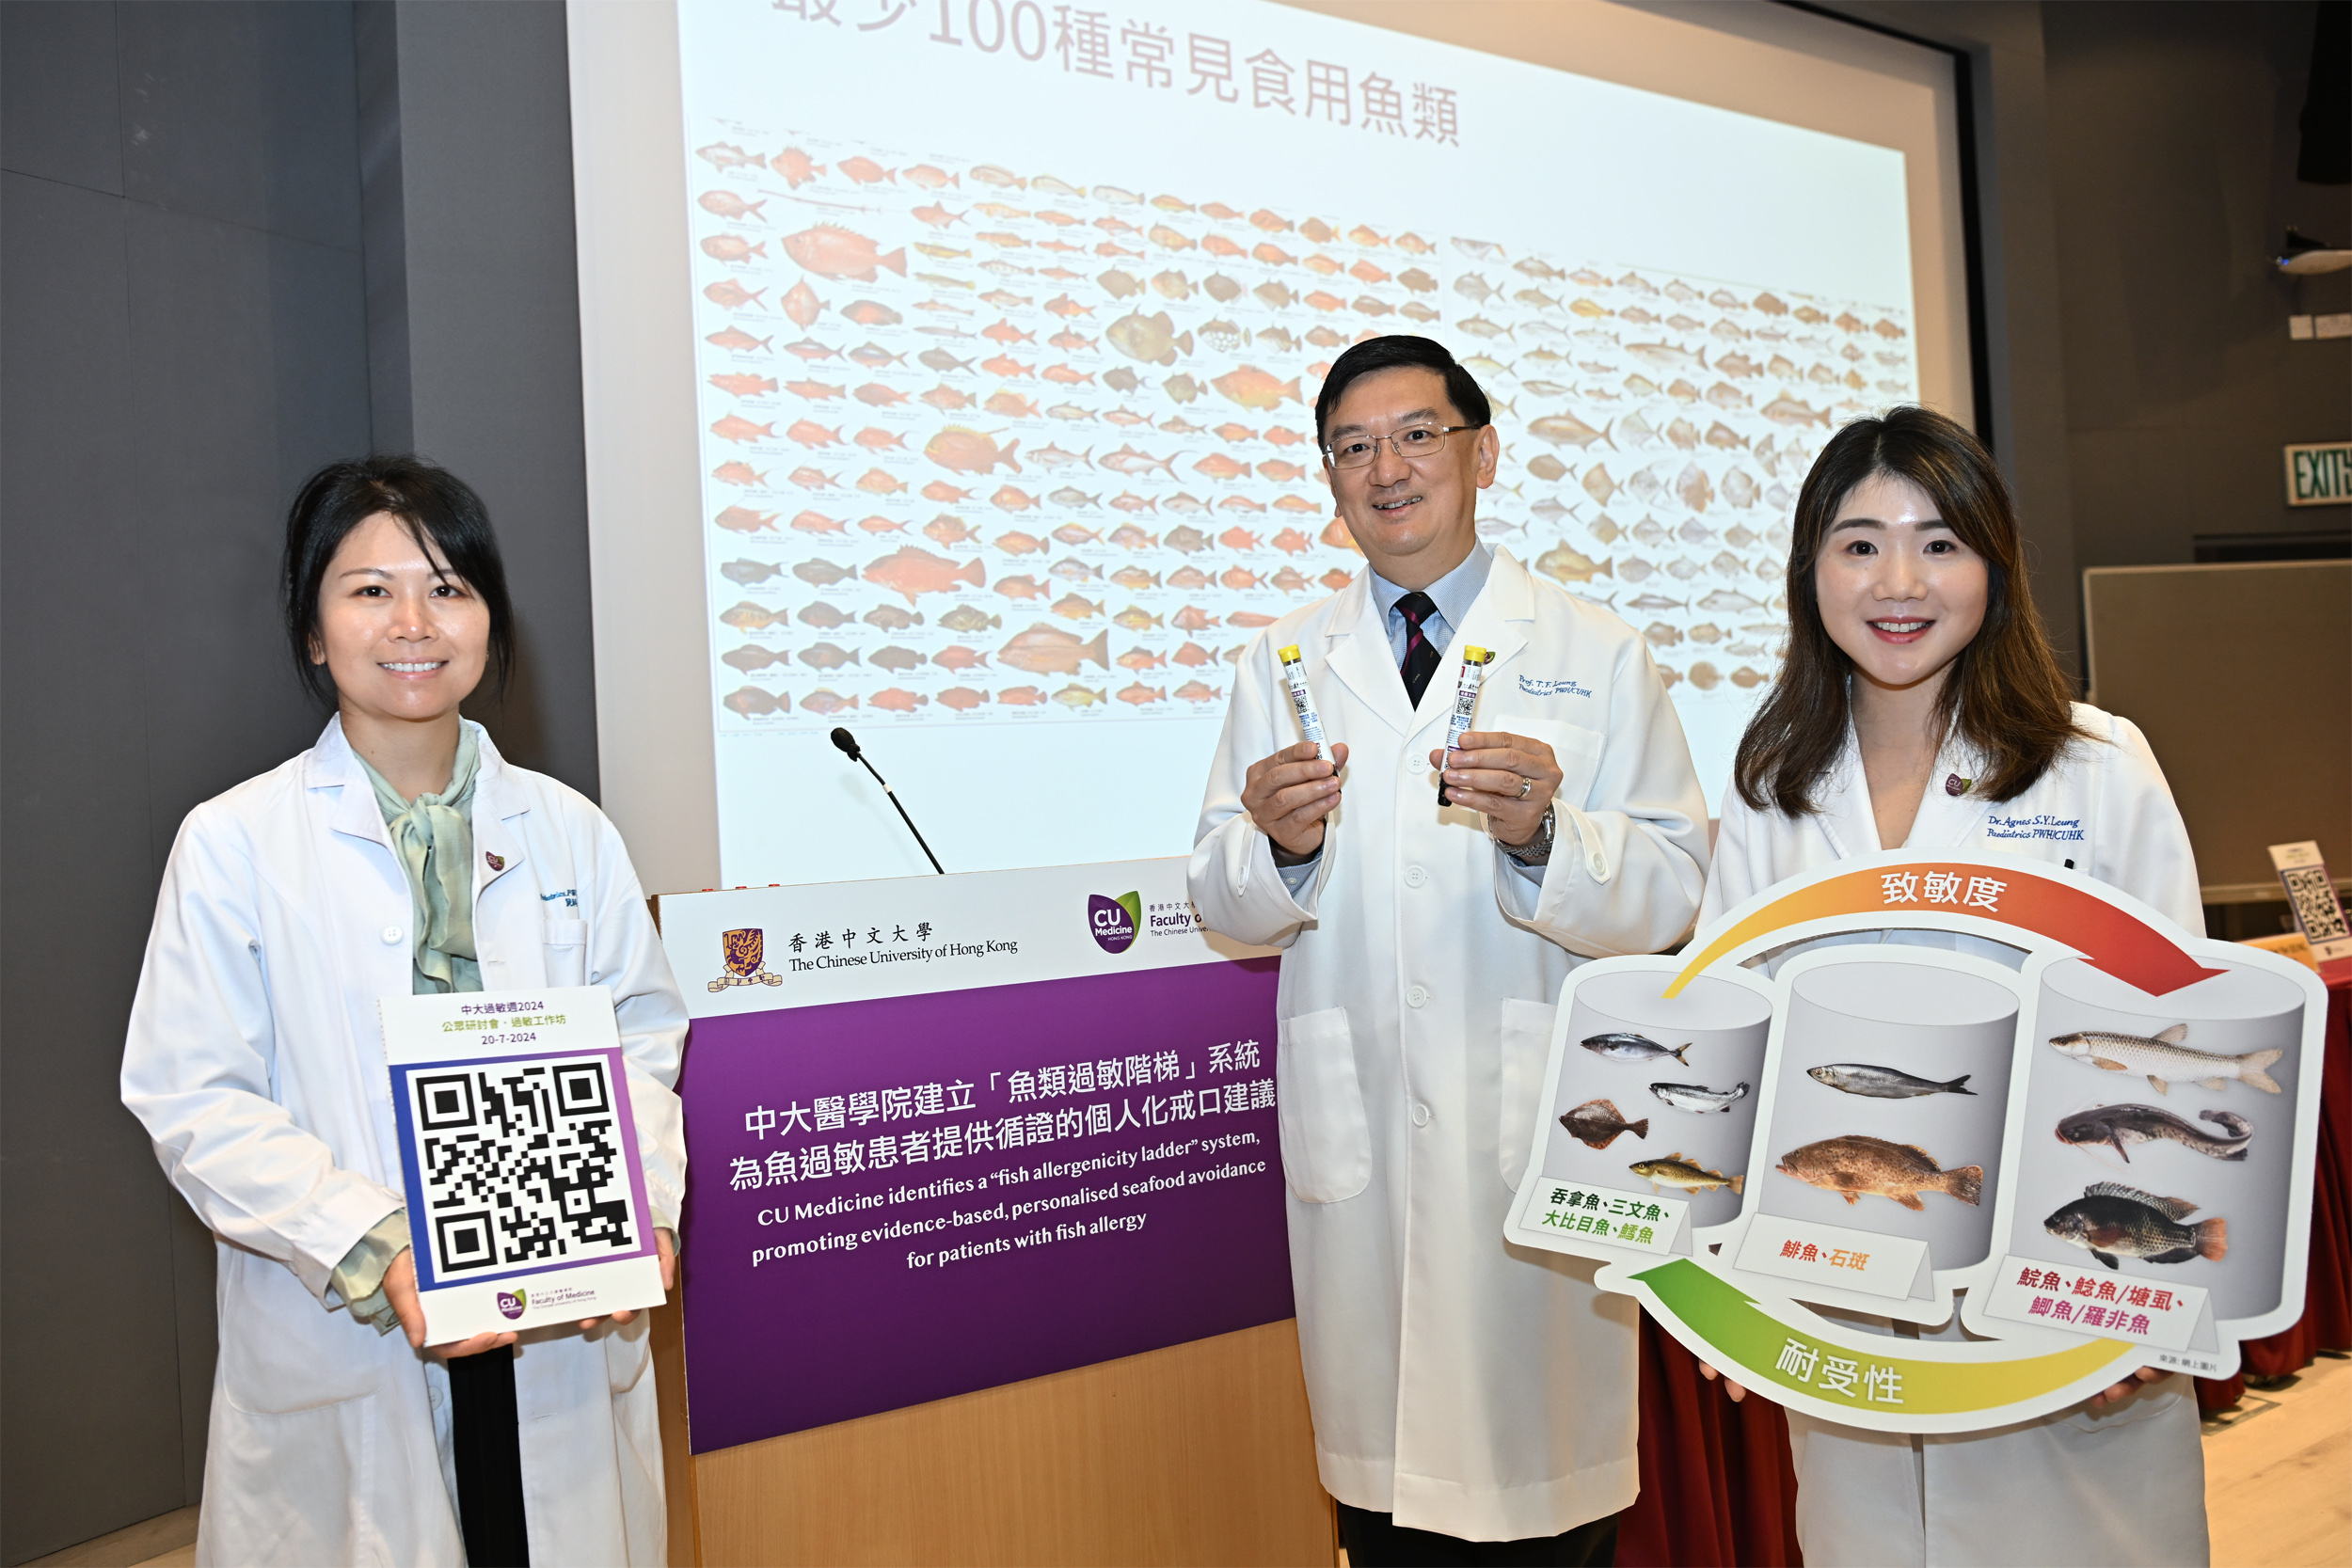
column 1414, row 441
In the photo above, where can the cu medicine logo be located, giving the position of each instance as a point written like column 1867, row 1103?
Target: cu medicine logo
column 511, row 1302
column 1114, row 922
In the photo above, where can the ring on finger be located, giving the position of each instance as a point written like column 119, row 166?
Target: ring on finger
column 1527, row 786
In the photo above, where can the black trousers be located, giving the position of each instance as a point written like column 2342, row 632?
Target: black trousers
column 1377, row 1541
column 486, row 1432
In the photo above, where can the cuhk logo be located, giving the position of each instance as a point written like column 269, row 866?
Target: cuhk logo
column 1114, row 922
column 511, row 1302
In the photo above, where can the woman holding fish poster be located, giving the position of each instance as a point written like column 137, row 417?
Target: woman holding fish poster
column 1920, row 708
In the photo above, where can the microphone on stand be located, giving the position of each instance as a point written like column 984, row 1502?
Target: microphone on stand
column 848, row 743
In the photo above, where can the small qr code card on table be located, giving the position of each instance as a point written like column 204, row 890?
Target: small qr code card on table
column 526, row 1199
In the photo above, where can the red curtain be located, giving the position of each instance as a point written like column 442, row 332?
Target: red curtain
column 2326, row 1323
column 1718, row 1487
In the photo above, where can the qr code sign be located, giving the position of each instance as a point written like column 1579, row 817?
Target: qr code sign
column 522, row 1165
column 2315, row 904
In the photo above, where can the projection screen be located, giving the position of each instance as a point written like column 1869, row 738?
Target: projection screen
column 950, row 371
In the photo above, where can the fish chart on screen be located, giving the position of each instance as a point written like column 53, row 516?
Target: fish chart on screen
column 1010, row 321
column 2100, row 1159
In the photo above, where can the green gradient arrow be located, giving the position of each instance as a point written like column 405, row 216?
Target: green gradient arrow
column 1769, row 1354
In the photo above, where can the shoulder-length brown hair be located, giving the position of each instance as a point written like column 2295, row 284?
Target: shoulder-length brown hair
column 2005, row 697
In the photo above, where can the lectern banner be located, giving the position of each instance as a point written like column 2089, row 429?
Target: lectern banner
column 951, row 1133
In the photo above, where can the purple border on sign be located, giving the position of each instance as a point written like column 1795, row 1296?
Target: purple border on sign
column 624, row 1117
column 840, row 1331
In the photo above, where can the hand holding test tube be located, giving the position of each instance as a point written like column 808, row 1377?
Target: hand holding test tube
column 1289, row 794
column 1474, row 661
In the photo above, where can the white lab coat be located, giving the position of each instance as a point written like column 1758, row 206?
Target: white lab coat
column 2124, row 1486
column 1470, row 1387
column 256, row 1063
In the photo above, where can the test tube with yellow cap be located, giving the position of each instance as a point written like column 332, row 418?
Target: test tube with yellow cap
column 1474, row 662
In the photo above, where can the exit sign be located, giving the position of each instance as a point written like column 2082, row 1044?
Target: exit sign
column 2319, row 475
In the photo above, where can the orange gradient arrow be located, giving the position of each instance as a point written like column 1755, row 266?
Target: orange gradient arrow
column 2110, row 939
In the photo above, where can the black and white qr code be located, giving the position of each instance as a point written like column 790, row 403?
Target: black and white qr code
column 522, row 1165
column 2315, row 904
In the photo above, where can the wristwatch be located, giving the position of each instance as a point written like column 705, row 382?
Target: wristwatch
column 1536, row 850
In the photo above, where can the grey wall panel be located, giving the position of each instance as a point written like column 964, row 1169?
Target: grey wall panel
column 489, row 299
column 2173, row 141
column 206, row 89
column 58, row 118
column 177, row 360
column 92, row 1438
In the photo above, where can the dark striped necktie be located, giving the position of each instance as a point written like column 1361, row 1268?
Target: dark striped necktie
column 1421, row 655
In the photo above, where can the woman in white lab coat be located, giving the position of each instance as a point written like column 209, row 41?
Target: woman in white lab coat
column 1920, row 708
column 255, row 1062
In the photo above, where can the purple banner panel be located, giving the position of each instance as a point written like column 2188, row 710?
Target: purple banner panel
column 904, row 1199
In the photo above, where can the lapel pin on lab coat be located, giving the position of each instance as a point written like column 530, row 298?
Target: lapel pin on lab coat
column 496, row 863
column 1954, row 784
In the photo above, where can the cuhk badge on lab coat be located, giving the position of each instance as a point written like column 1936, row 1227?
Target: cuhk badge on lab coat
column 519, row 1153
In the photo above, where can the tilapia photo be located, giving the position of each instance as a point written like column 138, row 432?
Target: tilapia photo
column 1684, row 1173
column 2112, row 1220
column 2166, row 1061
column 1634, row 1048
column 1883, row 1082
column 2122, row 1125
column 1596, row 1123
column 1698, row 1097
column 1857, row 1165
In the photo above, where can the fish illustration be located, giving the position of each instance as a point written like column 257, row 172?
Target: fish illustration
column 1883, row 1082
column 1624, row 1046
column 895, row 699
column 727, row 155
column 912, row 571
column 1152, row 338
column 734, row 427
column 1567, row 565
column 1023, row 587
column 1566, row 430
column 1787, row 410
column 968, row 452
column 750, row 701
column 747, row 616
column 819, row 573
column 728, row 294
column 831, row 251
column 825, row 656
column 1077, row 698
column 743, row 520
column 970, row 618
column 895, row 658
column 1138, row 694
column 825, row 701
column 751, row 657
column 1045, row 650
column 1198, row 692
column 1856, row 1165
column 738, row 340
column 883, row 617
column 1070, row 607
column 749, row 572
column 2111, row 1219
column 1251, row 388
column 1596, row 1124
column 2166, row 1061
column 1127, row 461
column 1698, row 1097
column 961, row 699
column 2123, row 1125
column 1679, row 1171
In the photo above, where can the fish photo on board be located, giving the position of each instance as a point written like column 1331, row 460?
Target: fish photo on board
column 1883, row 1082
column 2111, row 1221
column 1698, row 1098
column 1684, row 1173
column 1598, row 1123
column 1857, row 1165
column 2165, row 1061
column 1625, row 1047
column 2120, row 1126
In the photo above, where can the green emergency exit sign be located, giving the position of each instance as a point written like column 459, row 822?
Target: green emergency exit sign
column 2320, row 474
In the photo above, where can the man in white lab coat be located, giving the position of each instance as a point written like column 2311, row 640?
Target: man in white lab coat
column 1461, row 1388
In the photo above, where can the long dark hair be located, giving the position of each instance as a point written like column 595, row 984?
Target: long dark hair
column 2006, row 696
column 441, row 514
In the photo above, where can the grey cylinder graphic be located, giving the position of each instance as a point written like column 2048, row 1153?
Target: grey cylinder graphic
column 2241, row 1013
column 1863, row 1019
column 1720, row 1029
